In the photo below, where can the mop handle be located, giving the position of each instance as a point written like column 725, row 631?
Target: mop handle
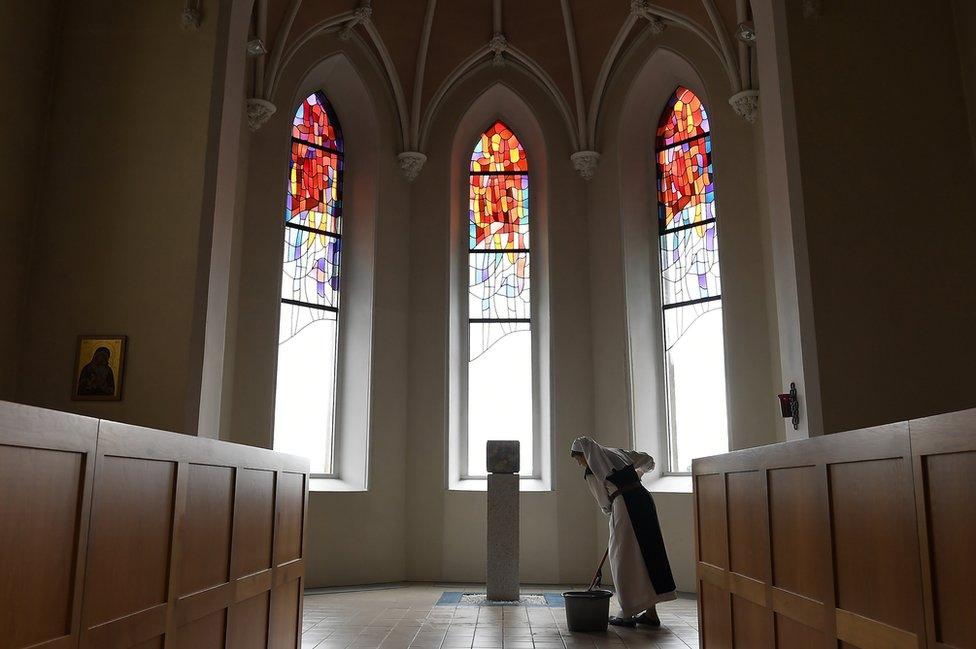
column 599, row 570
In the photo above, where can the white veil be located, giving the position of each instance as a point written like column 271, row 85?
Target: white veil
column 604, row 460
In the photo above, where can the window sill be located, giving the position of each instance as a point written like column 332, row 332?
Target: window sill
column 334, row 484
column 481, row 484
column 669, row 484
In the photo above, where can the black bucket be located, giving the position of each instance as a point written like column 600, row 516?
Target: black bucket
column 587, row 610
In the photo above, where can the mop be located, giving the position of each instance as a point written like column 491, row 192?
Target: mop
column 598, row 576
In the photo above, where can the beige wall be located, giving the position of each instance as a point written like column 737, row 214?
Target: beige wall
column 27, row 32
column 446, row 529
column 887, row 170
column 116, row 234
column 356, row 537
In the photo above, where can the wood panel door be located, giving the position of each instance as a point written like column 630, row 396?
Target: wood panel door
column 46, row 473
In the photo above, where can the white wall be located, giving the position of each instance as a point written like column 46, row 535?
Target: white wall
column 354, row 537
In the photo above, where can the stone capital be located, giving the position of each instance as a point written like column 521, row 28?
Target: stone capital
column 259, row 111
column 746, row 104
column 411, row 162
column 585, row 163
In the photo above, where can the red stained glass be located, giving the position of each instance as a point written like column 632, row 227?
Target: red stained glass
column 685, row 190
column 313, row 209
column 499, row 212
column 690, row 274
column 684, row 118
column 499, row 150
column 314, row 190
column 316, row 124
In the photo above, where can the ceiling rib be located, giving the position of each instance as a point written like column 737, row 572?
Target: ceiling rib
column 418, row 81
column 601, row 80
column 394, row 79
column 279, row 46
column 415, row 119
column 574, row 65
column 442, row 89
column 725, row 43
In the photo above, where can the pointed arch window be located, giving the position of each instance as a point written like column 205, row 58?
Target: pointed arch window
column 305, row 395
column 691, row 289
column 499, row 323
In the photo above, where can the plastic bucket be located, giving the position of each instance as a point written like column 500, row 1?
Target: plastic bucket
column 587, row 610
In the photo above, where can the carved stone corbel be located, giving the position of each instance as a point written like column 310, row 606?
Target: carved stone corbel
column 585, row 163
column 259, row 111
column 746, row 104
column 411, row 162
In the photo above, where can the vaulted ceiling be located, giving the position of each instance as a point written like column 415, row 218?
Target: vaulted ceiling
column 426, row 46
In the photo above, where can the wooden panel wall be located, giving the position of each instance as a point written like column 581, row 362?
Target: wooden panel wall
column 47, row 462
column 114, row 536
column 862, row 539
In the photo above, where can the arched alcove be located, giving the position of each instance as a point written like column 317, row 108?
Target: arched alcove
column 661, row 74
column 750, row 338
column 336, row 78
column 499, row 103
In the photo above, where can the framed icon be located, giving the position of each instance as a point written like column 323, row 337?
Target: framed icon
column 99, row 364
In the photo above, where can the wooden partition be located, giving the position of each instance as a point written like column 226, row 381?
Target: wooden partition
column 864, row 539
column 115, row 536
column 47, row 462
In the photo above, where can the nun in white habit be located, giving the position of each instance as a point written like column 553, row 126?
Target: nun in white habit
column 638, row 560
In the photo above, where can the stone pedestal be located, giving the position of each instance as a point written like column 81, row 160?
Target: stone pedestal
column 502, row 576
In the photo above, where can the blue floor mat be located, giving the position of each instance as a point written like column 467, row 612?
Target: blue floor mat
column 453, row 598
column 555, row 600
column 450, row 599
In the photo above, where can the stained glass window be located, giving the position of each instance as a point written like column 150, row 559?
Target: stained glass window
column 691, row 286
column 499, row 377
column 305, row 395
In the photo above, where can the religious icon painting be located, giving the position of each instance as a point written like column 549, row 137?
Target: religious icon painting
column 99, row 362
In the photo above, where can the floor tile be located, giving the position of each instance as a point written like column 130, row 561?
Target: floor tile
column 410, row 618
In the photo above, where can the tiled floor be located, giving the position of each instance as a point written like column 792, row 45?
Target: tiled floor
column 399, row 618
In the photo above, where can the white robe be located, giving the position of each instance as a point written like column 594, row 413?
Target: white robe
column 635, row 592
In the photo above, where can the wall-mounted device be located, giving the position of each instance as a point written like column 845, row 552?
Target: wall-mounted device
column 789, row 405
